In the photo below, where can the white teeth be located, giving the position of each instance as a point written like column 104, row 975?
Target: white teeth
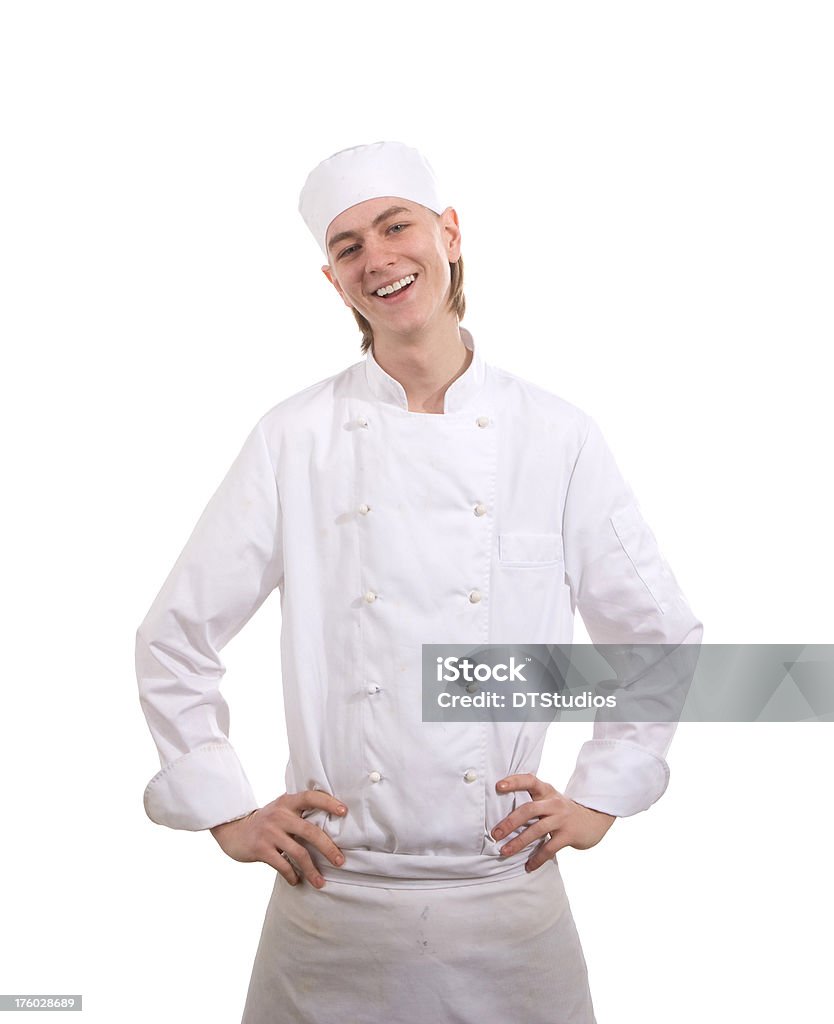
column 395, row 287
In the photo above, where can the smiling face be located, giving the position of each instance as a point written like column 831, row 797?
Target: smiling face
column 401, row 249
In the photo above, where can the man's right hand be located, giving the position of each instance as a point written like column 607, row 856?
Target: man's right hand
column 267, row 835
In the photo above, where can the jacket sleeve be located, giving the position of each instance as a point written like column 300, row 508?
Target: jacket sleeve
column 230, row 564
column 626, row 594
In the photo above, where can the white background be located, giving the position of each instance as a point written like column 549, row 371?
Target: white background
column 645, row 196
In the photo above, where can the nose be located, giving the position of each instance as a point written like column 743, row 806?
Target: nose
column 378, row 255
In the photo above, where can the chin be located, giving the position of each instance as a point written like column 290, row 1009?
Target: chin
column 398, row 325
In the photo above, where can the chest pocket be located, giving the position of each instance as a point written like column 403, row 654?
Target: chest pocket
column 529, row 600
column 530, row 549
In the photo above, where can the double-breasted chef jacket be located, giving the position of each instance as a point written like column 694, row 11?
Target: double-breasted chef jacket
column 384, row 529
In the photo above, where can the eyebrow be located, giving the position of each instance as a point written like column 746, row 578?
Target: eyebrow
column 342, row 235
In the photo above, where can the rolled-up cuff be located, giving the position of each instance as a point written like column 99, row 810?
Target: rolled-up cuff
column 617, row 777
column 199, row 790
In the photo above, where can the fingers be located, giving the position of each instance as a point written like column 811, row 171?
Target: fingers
column 534, row 832
column 318, row 838
column 312, row 799
column 571, row 824
column 303, row 864
column 292, row 862
column 285, row 829
column 269, row 834
column 553, row 809
column 546, row 801
column 282, row 865
column 283, row 818
column 526, row 781
column 546, row 812
column 546, row 851
column 515, row 819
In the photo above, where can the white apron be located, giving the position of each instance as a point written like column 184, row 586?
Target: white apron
column 485, row 953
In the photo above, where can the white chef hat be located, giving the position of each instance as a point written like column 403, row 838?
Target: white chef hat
column 365, row 172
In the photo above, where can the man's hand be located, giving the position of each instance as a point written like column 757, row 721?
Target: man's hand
column 557, row 819
column 267, row 835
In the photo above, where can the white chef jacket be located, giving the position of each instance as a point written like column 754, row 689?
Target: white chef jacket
column 384, row 529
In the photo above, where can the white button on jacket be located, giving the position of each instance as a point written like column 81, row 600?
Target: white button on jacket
column 361, row 593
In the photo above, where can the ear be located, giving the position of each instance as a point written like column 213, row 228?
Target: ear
column 331, row 277
column 450, row 229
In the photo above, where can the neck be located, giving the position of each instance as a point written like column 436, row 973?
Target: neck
column 425, row 364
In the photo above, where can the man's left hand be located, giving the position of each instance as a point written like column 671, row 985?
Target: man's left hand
column 555, row 818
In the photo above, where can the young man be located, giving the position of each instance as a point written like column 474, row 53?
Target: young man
column 420, row 496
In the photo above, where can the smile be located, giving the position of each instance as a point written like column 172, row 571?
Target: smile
column 396, row 286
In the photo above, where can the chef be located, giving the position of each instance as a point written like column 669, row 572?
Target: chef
column 419, row 496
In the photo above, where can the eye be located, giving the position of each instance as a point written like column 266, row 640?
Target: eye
column 393, row 226
column 347, row 252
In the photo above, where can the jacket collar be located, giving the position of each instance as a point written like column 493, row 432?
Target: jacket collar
column 459, row 393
